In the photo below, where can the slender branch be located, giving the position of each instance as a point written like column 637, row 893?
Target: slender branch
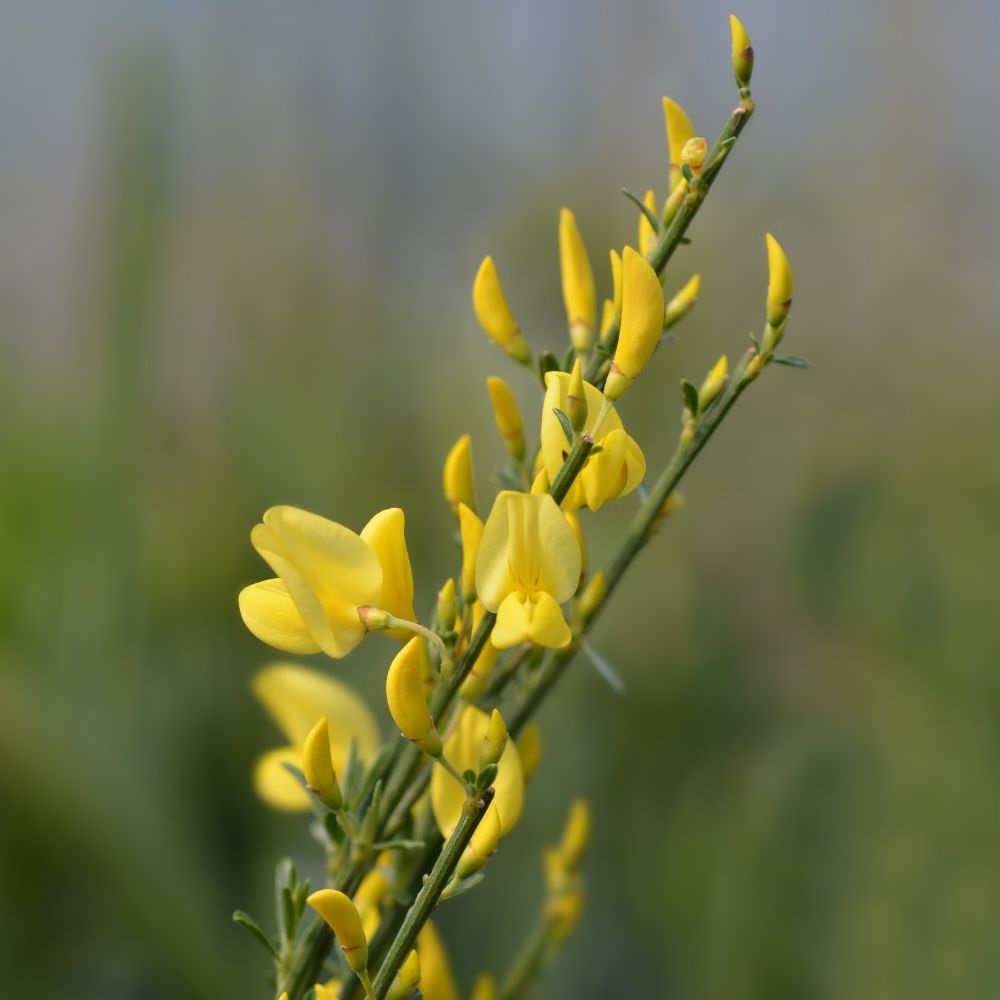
column 528, row 963
column 429, row 894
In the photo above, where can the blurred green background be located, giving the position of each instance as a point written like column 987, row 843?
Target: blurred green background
column 237, row 246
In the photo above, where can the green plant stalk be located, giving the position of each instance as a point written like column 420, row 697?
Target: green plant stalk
column 670, row 236
column 444, row 867
column 636, row 537
column 528, row 964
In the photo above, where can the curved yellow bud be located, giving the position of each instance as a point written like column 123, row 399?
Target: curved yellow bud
column 471, row 530
column 642, row 322
column 647, row 238
column 679, row 130
column 485, row 988
column 616, row 278
column 507, row 415
column 579, row 293
column 714, row 382
column 683, row 302
column 779, row 288
column 406, row 980
column 495, row 740
column 494, row 315
column 317, row 766
column 742, row 52
column 343, row 919
column 446, row 611
column 457, row 478
column 404, row 693
column 576, row 836
column 530, row 748
column 436, row 979
column 462, row 750
column 481, row 846
column 607, row 317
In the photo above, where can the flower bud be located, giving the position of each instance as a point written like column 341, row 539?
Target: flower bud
column 446, row 611
column 317, row 766
column 579, row 293
column 642, row 322
column 481, row 846
column 405, row 981
column 679, row 130
column 779, row 288
column 485, row 988
column 616, row 279
column 576, row 836
column 494, row 314
column 742, row 53
column 576, row 400
column 457, row 475
column 404, row 693
column 507, row 415
column 693, row 154
column 471, row 530
column 683, row 302
column 494, row 742
column 374, row 619
column 647, row 238
column 607, row 317
column 530, row 748
column 342, row 917
column 714, row 383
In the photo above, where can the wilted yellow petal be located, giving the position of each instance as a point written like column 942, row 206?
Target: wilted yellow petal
column 269, row 612
column 579, row 293
column 457, row 476
column 462, row 750
column 385, row 534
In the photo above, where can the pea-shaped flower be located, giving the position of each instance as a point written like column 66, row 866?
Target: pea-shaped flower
column 325, row 572
column 615, row 470
column 529, row 563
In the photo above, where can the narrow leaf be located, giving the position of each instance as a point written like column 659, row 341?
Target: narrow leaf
column 564, row 423
column 248, row 923
column 608, row 673
column 633, row 197
column 689, row 393
column 792, row 360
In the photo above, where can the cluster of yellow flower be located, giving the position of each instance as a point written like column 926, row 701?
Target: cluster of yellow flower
column 424, row 816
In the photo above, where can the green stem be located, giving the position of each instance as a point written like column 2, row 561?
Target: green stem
column 671, row 235
column 528, row 963
column 429, row 894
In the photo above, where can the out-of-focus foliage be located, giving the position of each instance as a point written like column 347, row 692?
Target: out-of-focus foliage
column 237, row 247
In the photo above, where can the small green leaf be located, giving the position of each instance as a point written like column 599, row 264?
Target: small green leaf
column 465, row 885
column 469, row 775
column 248, row 923
column 608, row 673
column 684, row 241
column 508, row 478
column 568, row 358
column 289, row 918
column 601, row 349
column 564, row 423
column 641, row 205
column 689, row 393
column 687, row 172
column 547, row 362
column 792, row 360
column 399, row 845
column 486, row 777
column 755, row 341
column 596, row 449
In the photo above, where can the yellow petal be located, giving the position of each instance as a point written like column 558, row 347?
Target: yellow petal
column 462, row 750
column 385, row 535
column 679, row 130
column 779, row 288
column 471, row 531
column 341, row 915
column 493, row 313
column 436, row 979
column 317, row 765
column 579, row 293
column 404, row 691
column 603, row 478
column 635, row 466
column 270, row 614
column 457, row 475
column 276, row 785
column 507, row 415
column 296, row 697
column 513, row 624
column 642, row 315
column 683, row 302
column 547, row 626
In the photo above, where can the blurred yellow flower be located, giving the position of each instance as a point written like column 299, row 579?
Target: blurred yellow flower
column 529, row 563
column 614, row 471
column 296, row 698
column 436, row 979
column 325, row 573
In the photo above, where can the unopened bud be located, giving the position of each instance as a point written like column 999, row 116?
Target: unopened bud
column 485, row 988
column 343, row 919
column 494, row 315
column 616, row 278
column 779, row 288
column 742, row 53
column 529, row 746
column 683, row 302
column 607, row 317
column 471, row 530
column 494, row 742
column 446, row 611
column 317, row 766
column 457, row 476
column 481, row 846
column 374, row 619
column 714, row 383
column 407, row 699
column 579, row 293
column 679, row 129
column 647, row 237
column 405, row 981
column 576, row 399
column 576, row 836
column 693, row 154
column 507, row 415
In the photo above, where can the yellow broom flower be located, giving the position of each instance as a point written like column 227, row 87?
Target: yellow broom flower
column 494, row 314
column 579, row 292
column 457, row 477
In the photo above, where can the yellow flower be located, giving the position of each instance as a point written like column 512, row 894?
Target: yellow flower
column 436, row 979
column 404, row 693
column 325, row 573
column 679, row 130
column 462, row 750
column 317, row 766
column 458, row 482
column 529, row 563
column 343, row 919
column 295, row 698
column 507, row 415
column 494, row 315
column 579, row 293
column 614, row 471
column 642, row 322
column 405, row 981
column 683, row 302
